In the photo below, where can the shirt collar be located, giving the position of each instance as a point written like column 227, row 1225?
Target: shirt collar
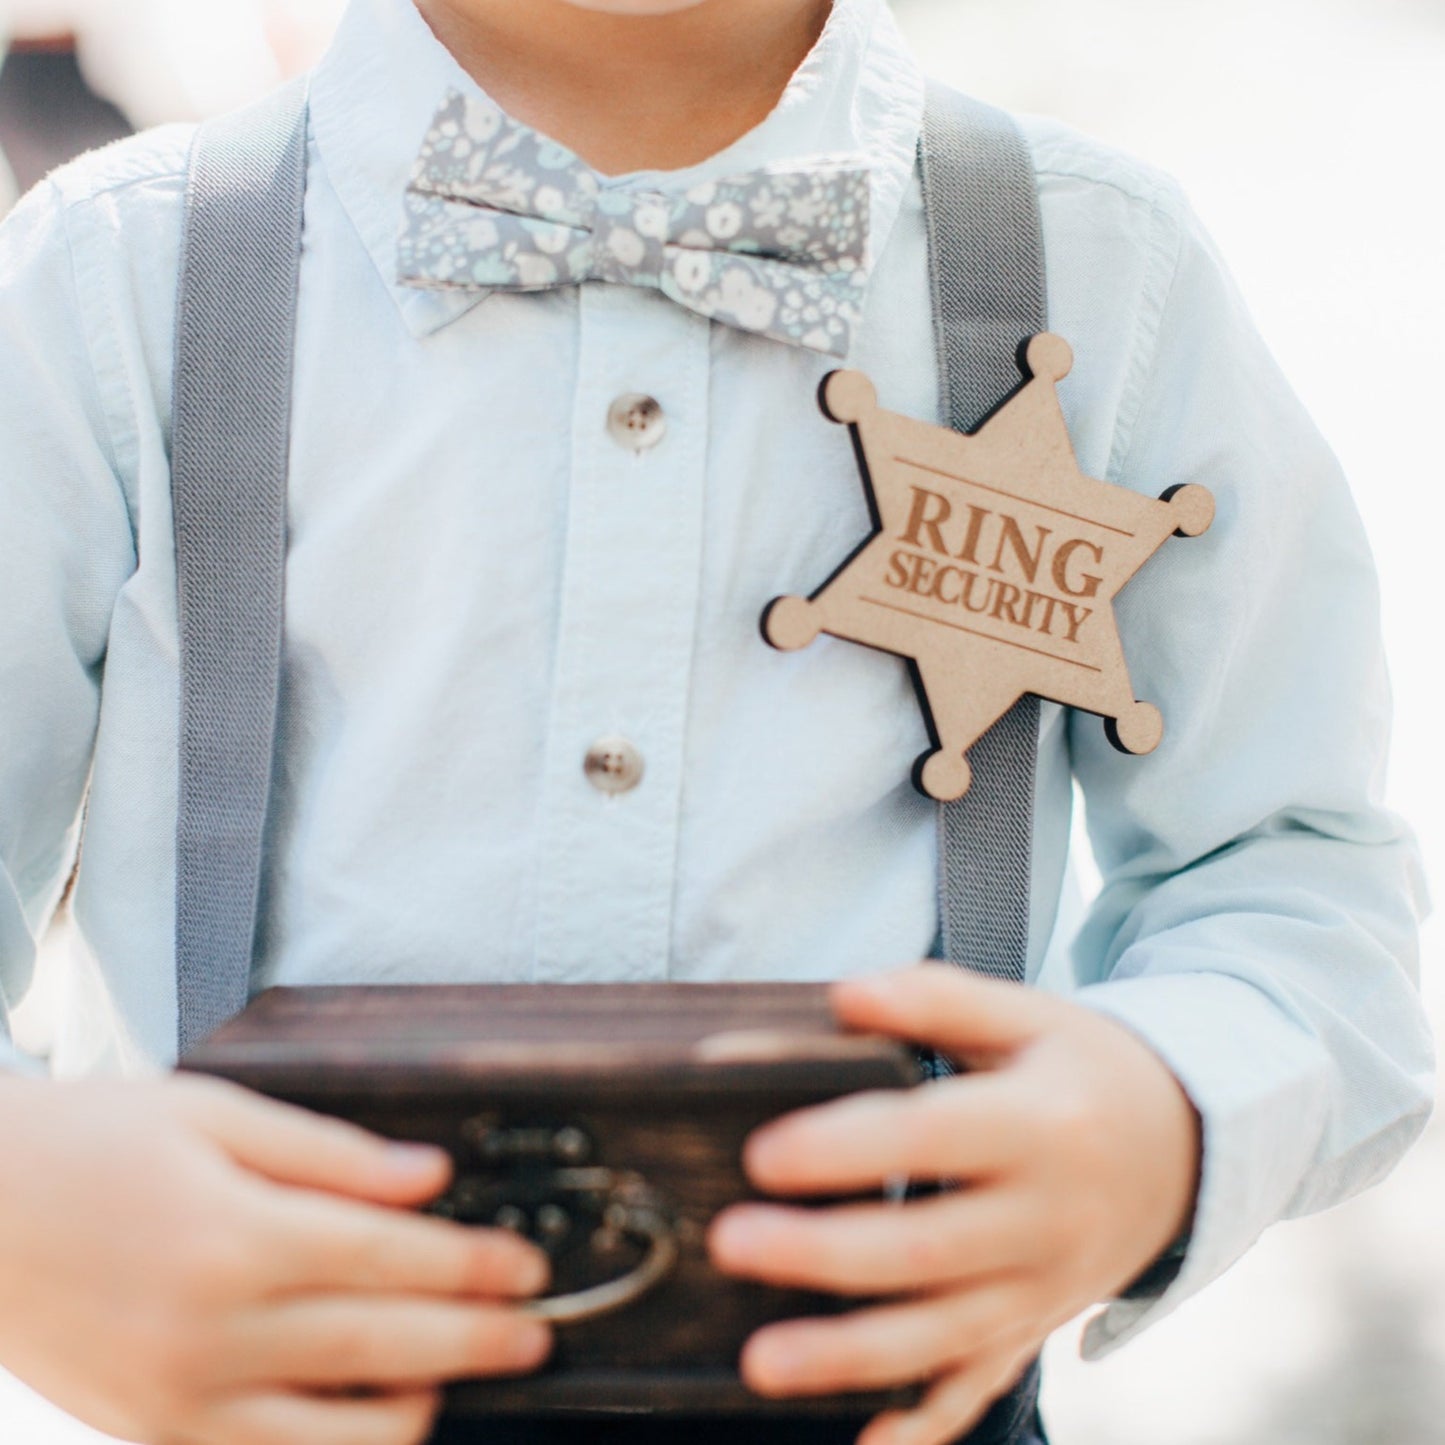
column 375, row 92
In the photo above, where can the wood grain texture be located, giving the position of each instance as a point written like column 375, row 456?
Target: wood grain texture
column 662, row 1082
column 992, row 566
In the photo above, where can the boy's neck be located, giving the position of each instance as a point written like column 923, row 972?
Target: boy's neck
column 654, row 92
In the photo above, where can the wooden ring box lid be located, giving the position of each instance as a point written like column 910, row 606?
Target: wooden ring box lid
column 532, row 1088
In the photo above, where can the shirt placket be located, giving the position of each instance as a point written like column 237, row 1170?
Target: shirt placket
column 613, row 775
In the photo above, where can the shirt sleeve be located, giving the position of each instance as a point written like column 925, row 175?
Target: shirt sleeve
column 1258, row 913
column 66, row 549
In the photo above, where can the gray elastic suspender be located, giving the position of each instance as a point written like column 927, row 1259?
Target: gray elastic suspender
column 987, row 262
column 235, row 341
column 231, row 422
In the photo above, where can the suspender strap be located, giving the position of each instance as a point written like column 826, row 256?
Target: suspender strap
column 986, row 258
column 231, row 416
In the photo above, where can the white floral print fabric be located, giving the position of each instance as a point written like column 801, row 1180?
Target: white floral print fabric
column 493, row 204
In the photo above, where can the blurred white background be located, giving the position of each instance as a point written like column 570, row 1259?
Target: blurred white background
column 1309, row 134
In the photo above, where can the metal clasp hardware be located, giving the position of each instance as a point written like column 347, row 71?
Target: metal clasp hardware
column 631, row 1209
column 540, row 1182
column 497, row 1143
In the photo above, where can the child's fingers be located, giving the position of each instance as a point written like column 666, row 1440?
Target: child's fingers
column 955, row 1404
column 879, row 1349
column 966, row 1128
column 294, row 1146
column 378, row 1341
column 321, row 1244
column 870, row 1249
column 279, row 1419
column 943, row 1006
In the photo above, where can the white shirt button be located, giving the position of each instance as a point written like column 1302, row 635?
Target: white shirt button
column 613, row 765
column 636, row 422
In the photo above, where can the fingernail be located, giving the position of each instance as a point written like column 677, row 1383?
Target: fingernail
column 895, row 1432
column 415, row 1158
column 533, row 1272
column 870, row 991
column 777, row 1365
column 764, row 1151
column 530, row 1345
column 743, row 1233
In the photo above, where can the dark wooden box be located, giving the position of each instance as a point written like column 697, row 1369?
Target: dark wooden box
column 605, row 1121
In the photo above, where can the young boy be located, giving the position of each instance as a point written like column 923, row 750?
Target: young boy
column 528, row 733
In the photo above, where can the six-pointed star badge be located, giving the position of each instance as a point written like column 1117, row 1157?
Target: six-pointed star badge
column 993, row 566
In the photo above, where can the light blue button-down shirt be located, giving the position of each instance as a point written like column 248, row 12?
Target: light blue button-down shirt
column 482, row 582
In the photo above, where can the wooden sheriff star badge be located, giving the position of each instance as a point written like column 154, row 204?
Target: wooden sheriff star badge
column 993, row 566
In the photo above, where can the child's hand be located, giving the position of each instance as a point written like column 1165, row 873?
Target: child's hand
column 182, row 1260
column 1079, row 1153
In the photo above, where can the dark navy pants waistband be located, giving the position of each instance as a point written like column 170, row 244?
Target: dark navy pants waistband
column 1014, row 1420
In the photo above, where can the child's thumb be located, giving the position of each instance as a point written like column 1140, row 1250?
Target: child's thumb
column 945, row 1007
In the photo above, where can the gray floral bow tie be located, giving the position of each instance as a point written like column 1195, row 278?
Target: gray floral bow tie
column 493, row 205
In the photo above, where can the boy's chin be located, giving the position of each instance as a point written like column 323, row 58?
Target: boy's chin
column 636, row 7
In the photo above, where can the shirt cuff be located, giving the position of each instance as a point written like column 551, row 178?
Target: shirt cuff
column 1258, row 1082
column 12, row 1061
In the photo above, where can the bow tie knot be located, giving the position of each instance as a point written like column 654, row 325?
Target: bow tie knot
column 629, row 239
column 494, row 205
